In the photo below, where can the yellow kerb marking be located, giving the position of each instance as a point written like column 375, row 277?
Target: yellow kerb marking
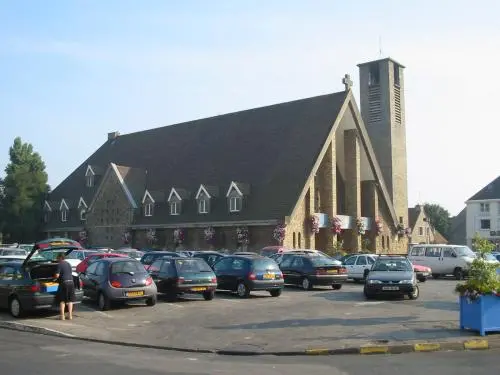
column 476, row 344
column 317, row 351
column 374, row 349
column 426, row 347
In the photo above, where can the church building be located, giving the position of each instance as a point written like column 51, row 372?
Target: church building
column 319, row 173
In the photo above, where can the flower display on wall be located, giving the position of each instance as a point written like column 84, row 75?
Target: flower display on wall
column 242, row 235
column 279, row 233
column 126, row 237
column 178, row 236
column 336, row 225
column 378, row 227
column 314, row 221
column 360, row 225
column 151, row 235
column 209, row 235
column 408, row 231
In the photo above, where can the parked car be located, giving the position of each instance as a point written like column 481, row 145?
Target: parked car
column 179, row 275
column 245, row 273
column 359, row 265
column 118, row 280
column 271, row 250
column 211, row 257
column 308, row 270
column 57, row 242
column 244, row 253
column 391, row 275
column 83, row 265
column 150, row 257
column 12, row 258
column 14, row 252
column 131, row 253
column 77, row 256
column 29, row 285
column 280, row 256
column 422, row 272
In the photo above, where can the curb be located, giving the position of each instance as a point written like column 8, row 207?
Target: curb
column 424, row 347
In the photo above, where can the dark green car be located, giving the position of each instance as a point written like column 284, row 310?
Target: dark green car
column 178, row 275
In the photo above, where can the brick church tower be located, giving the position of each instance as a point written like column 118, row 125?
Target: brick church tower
column 383, row 110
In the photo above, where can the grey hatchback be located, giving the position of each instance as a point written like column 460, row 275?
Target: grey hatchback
column 118, row 280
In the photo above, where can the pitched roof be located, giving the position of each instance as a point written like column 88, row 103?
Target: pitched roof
column 490, row 191
column 439, row 238
column 413, row 214
column 270, row 150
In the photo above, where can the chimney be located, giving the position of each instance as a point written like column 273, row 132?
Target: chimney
column 113, row 135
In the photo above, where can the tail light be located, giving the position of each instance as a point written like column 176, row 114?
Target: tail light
column 180, row 280
column 251, row 276
column 116, row 284
column 35, row 288
column 343, row 270
column 279, row 275
column 214, row 280
column 149, row 281
column 320, row 272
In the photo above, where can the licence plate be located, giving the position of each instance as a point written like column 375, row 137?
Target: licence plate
column 198, row 289
column 390, row 288
column 268, row 276
column 332, row 271
column 135, row 294
column 425, row 273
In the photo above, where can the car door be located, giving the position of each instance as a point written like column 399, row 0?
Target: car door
column 222, row 270
column 89, row 281
column 238, row 270
column 432, row 259
column 285, row 267
column 360, row 266
column 6, row 275
column 296, row 270
column 157, row 274
column 448, row 261
column 349, row 265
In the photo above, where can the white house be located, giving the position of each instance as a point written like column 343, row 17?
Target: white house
column 483, row 213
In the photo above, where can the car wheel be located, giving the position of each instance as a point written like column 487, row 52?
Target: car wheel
column 422, row 279
column 208, row 296
column 458, row 273
column 275, row 292
column 15, row 308
column 242, row 290
column 367, row 295
column 103, row 302
column 436, row 275
column 336, row 286
column 306, row 284
column 151, row 301
column 415, row 294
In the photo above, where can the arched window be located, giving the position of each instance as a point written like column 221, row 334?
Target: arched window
column 383, row 242
column 300, row 244
column 294, row 244
column 388, row 243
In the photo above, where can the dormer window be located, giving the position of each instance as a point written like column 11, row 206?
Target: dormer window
column 83, row 215
column 235, row 204
column 175, row 208
column 203, row 206
column 203, row 198
column 89, row 177
column 148, row 209
column 175, row 200
column 64, row 215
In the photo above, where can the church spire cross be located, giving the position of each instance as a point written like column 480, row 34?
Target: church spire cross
column 347, row 82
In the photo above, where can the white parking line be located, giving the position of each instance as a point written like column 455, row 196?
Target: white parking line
column 369, row 303
column 104, row 314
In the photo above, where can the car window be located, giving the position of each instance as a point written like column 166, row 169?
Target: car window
column 321, row 261
column 448, row 253
column 361, row 261
column 391, row 264
column 433, row 252
column 127, row 266
column 91, row 269
column 418, row 252
column 148, row 259
column 191, row 265
column 298, row 262
column 286, row 261
column 264, row 265
column 156, row 265
column 7, row 273
column 370, row 260
column 223, row 265
column 350, row 261
column 100, row 269
column 14, row 252
column 238, row 264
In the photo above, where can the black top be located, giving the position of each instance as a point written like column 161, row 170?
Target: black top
column 64, row 271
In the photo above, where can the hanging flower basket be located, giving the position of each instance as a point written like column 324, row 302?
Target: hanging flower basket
column 408, row 232
column 126, row 237
column 209, row 235
column 378, row 227
column 314, row 221
column 242, row 235
column 360, row 225
column 336, row 225
column 151, row 236
column 178, row 236
column 401, row 230
column 279, row 233
column 82, row 236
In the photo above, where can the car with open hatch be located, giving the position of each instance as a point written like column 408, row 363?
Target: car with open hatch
column 175, row 276
column 30, row 284
column 246, row 273
column 118, row 280
column 391, row 275
column 310, row 269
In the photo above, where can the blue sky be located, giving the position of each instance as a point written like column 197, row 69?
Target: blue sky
column 72, row 71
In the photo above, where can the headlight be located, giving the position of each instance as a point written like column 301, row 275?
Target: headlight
column 406, row 282
column 374, row 282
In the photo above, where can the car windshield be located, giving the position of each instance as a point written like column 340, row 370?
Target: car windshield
column 321, row 261
column 192, row 265
column 264, row 265
column 131, row 253
column 490, row 257
column 392, row 265
column 268, row 252
column 127, row 266
column 464, row 251
column 13, row 252
column 47, row 255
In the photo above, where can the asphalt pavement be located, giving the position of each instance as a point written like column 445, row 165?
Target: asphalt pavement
column 25, row 353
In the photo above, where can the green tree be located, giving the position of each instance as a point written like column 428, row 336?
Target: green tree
column 24, row 190
column 482, row 245
column 439, row 218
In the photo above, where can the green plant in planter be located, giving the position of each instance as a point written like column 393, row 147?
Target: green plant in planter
column 483, row 277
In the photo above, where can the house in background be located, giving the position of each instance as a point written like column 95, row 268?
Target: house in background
column 483, row 213
column 458, row 228
column 421, row 229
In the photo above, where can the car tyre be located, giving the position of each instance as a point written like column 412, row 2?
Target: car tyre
column 458, row 273
column 368, row 296
column 306, row 284
column 152, row 300
column 242, row 290
column 103, row 302
column 337, row 286
column 422, row 279
column 436, row 275
column 415, row 294
column 275, row 292
column 209, row 295
column 15, row 308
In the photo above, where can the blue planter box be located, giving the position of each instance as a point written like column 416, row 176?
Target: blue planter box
column 481, row 315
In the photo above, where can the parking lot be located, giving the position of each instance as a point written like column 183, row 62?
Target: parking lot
column 296, row 320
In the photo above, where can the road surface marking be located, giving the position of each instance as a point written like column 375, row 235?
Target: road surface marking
column 369, row 303
column 377, row 349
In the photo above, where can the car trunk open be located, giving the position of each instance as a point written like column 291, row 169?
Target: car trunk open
column 44, row 274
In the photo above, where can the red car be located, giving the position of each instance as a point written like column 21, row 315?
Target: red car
column 83, row 265
column 422, row 272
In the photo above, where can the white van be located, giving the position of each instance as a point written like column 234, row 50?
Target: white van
column 443, row 259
